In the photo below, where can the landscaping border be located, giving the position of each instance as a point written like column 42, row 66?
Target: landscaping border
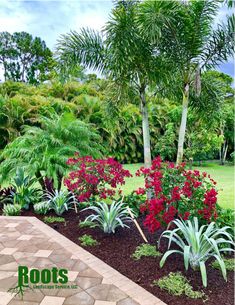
column 110, row 275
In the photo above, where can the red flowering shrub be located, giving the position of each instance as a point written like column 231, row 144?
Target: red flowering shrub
column 176, row 192
column 95, row 178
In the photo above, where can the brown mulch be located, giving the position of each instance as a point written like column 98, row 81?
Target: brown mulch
column 116, row 250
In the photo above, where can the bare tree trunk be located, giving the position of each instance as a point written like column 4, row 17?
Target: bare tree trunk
column 225, row 153
column 182, row 130
column 146, row 132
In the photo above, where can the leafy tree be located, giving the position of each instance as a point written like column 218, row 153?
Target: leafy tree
column 123, row 54
column 166, row 146
column 202, row 144
column 43, row 152
column 192, row 44
column 24, row 58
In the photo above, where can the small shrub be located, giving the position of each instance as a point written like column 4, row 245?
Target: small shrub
column 11, row 209
column 226, row 217
column 41, row 208
column 177, row 192
column 177, row 284
column 109, row 217
column 52, row 219
column 87, row 224
column 229, row 264
column 88, row 240
column 145, row 250
column 95, row 178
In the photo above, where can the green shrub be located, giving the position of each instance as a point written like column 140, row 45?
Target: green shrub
column 177, row 284
column 145, row 250
column 87, row 224
column 88, row 240
column 52, row 219
column 11, row 209
column 41, row 208
column 197, row 244
column 226, row 217
column 134, row 201
column 229, row 264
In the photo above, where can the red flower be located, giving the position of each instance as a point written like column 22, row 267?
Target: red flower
column 140, row 191
column 186, row 215
column 152, row 223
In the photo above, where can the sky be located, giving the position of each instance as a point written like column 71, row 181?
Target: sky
column 50, row 19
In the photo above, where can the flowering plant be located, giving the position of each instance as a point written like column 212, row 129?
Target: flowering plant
column 95, row 178
column 175, row 192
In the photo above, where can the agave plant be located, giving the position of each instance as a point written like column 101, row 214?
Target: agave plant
column 59, row 201
column 198, row 243
column 109, row 217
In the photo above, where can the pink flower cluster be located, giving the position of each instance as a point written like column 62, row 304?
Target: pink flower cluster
column 95, row 177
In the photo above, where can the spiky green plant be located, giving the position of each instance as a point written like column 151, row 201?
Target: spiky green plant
column 41, row 207
column 109, row 217
column 11, row 209
column 197, row 244
column 25, row 192
column 59, row 201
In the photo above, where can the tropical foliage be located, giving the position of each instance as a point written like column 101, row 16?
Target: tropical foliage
column 23, row 191
column 43, row 151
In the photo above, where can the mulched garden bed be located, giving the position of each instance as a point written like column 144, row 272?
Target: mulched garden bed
column 116, row 251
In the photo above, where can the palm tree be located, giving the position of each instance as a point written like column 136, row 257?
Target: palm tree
column 192, row 45
column 122, row 54
column 43, row 152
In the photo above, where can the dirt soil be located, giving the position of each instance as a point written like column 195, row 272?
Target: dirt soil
column 116, row 250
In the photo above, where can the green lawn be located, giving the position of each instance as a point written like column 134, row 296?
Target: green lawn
column 224, row 175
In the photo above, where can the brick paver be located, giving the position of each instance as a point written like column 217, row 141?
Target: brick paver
column 29, row 242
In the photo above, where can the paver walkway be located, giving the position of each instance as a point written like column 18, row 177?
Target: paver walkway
column 27, row 241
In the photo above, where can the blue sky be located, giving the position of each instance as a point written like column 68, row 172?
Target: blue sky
column 49, row 19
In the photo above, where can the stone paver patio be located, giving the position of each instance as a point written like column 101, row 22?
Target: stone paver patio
column 29, row 242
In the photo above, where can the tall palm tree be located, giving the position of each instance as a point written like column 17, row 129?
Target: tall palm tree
column 43, row 152
column 192, row 44
column 122, row 53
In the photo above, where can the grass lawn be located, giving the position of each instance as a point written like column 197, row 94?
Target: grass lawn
column 224, row 175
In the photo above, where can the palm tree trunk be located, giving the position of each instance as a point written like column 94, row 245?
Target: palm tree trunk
column 182, row 130
column 145, row 129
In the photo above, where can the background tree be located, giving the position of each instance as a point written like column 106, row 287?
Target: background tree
column 43, row 152
column 24, row 58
